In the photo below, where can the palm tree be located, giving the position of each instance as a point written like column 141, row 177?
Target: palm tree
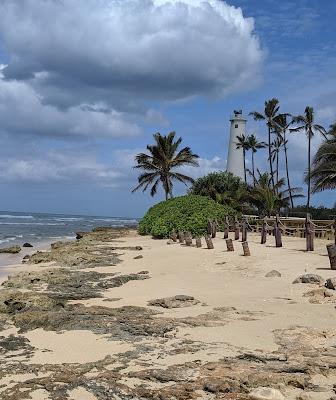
column 243, row 143
column 270, row 200
column 160, row 164
column 276, row 148
column 308, row 125
column 254, row 146
column 281, row 125
column 270, row 112
column 323, row 173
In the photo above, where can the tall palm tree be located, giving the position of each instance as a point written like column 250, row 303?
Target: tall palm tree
column 276, row 148
column 243, row 143
column 308, row 125
column 282, row 125
column 160, row 164
column 254, row 146
column 323, row 173
column 270, row 112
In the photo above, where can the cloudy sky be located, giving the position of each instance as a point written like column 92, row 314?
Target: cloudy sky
column 85, row 84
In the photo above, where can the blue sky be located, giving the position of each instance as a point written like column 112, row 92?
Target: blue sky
column 84, row 87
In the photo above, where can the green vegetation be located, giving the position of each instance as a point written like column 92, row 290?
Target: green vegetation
column 187, row 213
column 315, row 212
column 222, row 187
column 159, row 166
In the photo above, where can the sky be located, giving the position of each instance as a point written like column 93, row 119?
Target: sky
column 85, row 85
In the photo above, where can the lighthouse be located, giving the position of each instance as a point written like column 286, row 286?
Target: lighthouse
column 235, row 160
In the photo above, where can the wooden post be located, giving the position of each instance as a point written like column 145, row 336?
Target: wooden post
column 181, row 237
column 332, row 255
column 229, row 245
column 244, row 231
column 209, row 227
column 226, row 228
column 246, row 249
column 236, row 229
column 264, row 232
column 214, row 229
column 173, row 236
column 188, row 239
column 198, row 242
column 277, row 233
column 309, row 235
column 209, row 243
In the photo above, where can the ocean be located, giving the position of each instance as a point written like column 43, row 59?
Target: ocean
column 21, row 227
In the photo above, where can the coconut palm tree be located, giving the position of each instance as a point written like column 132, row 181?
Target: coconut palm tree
column 271, row 110
column 323, row 173
column 254, row 146
column 276, row 148
column 270, row 200
column 243, row 143
column 159, row 166
column 282, row 124
column 306, row 123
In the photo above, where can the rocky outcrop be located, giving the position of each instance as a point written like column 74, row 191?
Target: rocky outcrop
column 310, row 278
column 174, row 302
column 265, row 393
column 11, row 250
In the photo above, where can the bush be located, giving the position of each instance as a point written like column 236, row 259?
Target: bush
column 187, row 213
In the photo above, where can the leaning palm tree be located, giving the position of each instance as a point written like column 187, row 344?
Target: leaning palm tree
column 254, row 146
column 323, row 173
column 270, row 112
column 308, row 125
column 282, row 125
column 160, row 164
column 243, row 143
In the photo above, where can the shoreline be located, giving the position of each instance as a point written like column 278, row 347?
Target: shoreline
column 230, row 329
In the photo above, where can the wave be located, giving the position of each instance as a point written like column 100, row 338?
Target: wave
column 117, row 221
column 69, row 219
column 16, row 216
column 7, row 240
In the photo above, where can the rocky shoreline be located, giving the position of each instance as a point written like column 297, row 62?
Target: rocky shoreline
column 55, row 296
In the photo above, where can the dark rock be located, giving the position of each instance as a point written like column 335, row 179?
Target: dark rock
column 138, row 257
column 80, row 235
column 310, row 278
column 11, row 250
column 273, row 274
column 174, row 302
column 27, row 245
column 331, row 283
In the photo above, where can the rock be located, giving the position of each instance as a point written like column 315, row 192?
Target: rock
column 331, row 283
column 11, row 250
column 265, row 393
column 174, row 302
column 27, row 245
column 138, row 257
column 310, row 278
column 321, row 296
column 273, row 274
column 170, row 241
column 80, row 235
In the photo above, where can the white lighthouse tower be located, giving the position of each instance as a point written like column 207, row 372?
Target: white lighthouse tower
column 235, row 160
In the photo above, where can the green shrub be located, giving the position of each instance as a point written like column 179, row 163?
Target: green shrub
column 187, row 213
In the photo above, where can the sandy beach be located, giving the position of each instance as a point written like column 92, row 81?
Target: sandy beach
column 238, row 334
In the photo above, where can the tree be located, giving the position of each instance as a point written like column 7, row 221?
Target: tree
column 254, row 146
column 223, row 187
column 281, row 126
column 160, row 164
column 270, row 200
column 271, row 110
column 323, row 172
column 243, row 143
column 276, row 148
column 308, row 125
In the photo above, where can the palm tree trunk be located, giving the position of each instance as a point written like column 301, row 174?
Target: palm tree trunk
column 270, row 154
column 309, row 157
column 244, row 153
column 287, row 171
column 277, row 166
column 253, row 171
